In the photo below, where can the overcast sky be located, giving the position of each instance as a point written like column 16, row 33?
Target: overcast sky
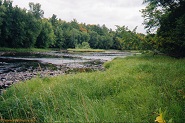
column 108, row 12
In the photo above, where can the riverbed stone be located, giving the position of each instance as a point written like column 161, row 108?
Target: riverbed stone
column 51, row 73
column 8, row 83
column 3, row 79
column 1, row 84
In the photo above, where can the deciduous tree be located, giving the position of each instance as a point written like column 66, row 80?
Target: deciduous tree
column 168, row 16
column 46, row 36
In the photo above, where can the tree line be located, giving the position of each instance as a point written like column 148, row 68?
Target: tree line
column 22, row 28
column 163, row 19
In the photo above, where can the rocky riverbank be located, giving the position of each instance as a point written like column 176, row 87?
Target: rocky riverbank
column 14, row 75
column 18, row 67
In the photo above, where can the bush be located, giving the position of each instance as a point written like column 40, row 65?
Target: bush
column 84, row 45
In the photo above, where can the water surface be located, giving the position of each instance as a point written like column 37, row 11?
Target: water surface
column 10, row 62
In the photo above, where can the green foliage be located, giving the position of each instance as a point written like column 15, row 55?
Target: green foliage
column 93, row 41
column 84, row 45
column 128, row 40
column 36, row 10
column 46, row 36
column 132, row 89
column 59, row 38
column 168, row 17
column 172, row 35
column 2, row 13
column 18, row 28
column 58, row 32
column 151, row 15
column 25, row 31
column 21, row 28
column 6, row 23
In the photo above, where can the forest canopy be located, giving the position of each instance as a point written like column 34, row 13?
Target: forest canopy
column 21, row 28
column 163, row 19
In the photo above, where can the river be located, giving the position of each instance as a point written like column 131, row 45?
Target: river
column 15, row 67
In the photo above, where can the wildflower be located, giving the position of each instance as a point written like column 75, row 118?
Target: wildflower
column 160, row 119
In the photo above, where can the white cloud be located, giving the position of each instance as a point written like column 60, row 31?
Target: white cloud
column 108, row 12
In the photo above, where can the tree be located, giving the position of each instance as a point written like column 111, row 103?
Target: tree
column 68, row 43
column 59, row 37
column 36, row 10
column 6, row 23
column 2, row 12
column 151, row 15
column 75, row 37
column 2, row 19
column 106, row 42
column 46, row 36
column 84, row 37
column 93, row 41
column 18, row 35
column 32, row 30
column 169, row 18
column 127, row 40
column 25, row 29
column 74, row 24
column 18, row 28
column 54, row 21
column 58, row 32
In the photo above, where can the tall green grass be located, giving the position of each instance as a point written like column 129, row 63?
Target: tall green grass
column 132, row 89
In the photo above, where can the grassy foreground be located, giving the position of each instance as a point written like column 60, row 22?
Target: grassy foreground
column 133, row 89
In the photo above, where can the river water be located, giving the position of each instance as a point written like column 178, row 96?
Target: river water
column 16, row 67
column 19, row 61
